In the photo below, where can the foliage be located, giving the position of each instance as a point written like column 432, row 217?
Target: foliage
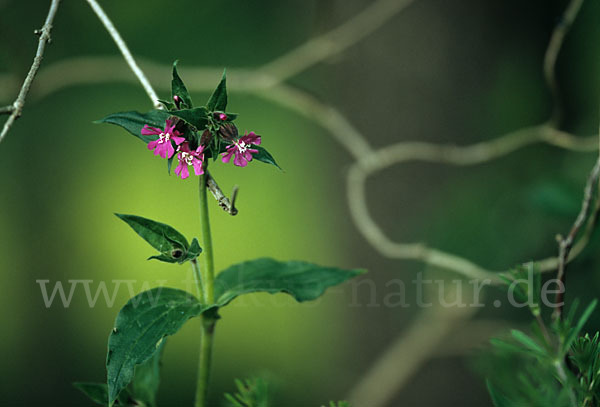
column 138, row 337
column 250, row 393
column 554, row 364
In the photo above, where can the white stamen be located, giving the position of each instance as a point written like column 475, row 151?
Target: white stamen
column 164, row 137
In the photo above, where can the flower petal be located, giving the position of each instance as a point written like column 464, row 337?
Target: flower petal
column 152, row 144
column 169, row 150
column 185, row 172
column 240, row 161
column 197, row 167
column 149, row 131
column 177, row 140
column 227, row 156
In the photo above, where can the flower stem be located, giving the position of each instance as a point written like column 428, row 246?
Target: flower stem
column 207, row 274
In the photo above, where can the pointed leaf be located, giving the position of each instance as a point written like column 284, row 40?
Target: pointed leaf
column 140, row 328
column 580, row 323
column 147, row 378
column 178, row 88
column 498, row 398
column 304, row 281
column 98, row 393
column 218, row 100
column 527, row 342
column 264, row 156
column 168, row 105
column 197, row 117
column 162, row 237
column 133, row 122
column 193, row 251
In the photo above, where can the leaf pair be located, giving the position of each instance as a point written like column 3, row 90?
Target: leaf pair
column 149, row 317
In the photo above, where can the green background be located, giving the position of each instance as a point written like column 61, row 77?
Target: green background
column 452, row 72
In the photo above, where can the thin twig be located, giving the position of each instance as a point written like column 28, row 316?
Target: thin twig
column 7, row 109
column 551, row 55
column 126, row 53
column 224, row 202
column 565, row 244
column 19, row 103
column 334, row 41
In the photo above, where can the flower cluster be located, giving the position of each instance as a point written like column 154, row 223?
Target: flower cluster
column 171, row 141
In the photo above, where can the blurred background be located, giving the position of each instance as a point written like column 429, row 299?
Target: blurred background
column 436, row 71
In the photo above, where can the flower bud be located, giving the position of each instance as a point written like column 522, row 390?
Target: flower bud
column 177, row 101
column 229, row 132
column 206, row 137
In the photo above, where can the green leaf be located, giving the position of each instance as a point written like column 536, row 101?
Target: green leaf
column 197, row 117
column 498, row 398
column 98, row 393
column 304, row 281
column 140, row 328
column 193, row 251
column 147, row 378
column 162, row 237
column 178, row 88
column 579, row 326
column 250, row 393
column 527, row 342
column 133, row 122
column 168, row 105
column 218, row 100
column 264, row 156
column 170, row 164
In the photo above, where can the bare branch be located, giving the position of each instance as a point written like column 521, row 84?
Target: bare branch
column 7, row 109
column 334, row 41
column 554, row 47
column 19, row 103
column 126, row 53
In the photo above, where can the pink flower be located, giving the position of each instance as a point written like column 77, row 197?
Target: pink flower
column 188, row 157
column 222, row 116
column 241, row 149
column 162, row 146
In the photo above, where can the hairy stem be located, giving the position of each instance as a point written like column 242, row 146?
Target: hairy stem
column 207, row 273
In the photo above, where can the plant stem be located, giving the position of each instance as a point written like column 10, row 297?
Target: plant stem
column 206, row 285
column 208, row 268
column 204, row 362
